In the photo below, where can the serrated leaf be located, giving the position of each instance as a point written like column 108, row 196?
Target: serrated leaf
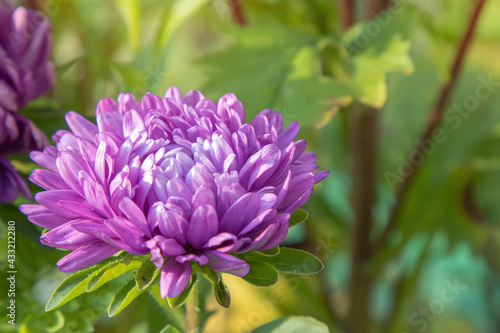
column 290, row 261
column 123, row 298
column 222, row 294
column 261, row 274
column 170, row 329
column 373, row 58
column 110, row 272
column 145, row 275
column 182, row 298
column 298, row 217
column 293, row 324
column 73, row 286
column 212, row 276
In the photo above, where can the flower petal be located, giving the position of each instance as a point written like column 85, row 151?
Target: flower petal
column 86, row 256
column 174, row 278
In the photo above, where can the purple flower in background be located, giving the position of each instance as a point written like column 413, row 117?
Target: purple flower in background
column 182, row 178
column 25, row 73
column 17, row 134
column 25, row 46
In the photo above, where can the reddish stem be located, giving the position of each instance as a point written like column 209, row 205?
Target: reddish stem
column 238, row 14
column 346, row 13
column 435, row 117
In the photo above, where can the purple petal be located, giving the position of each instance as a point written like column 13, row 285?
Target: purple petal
column 288, row 135
column 202, row 226
column 66, row 237
column 222, row 262
column 240, row 214
column 80, row 126
column 86, row 256
column 201, row 259
column 174, row 278
column 135, row 215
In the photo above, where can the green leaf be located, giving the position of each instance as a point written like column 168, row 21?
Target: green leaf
column 290, row 261
column 131, row 13
column 110, row 272
column 73, row 286
column 374, row 57
column 178, row 12
column 298, row 217
column 212, row 276
column 145, row 275
column 293, row 324
column 222, row 294
column 170, row 329
column 261, row 274
column 123, row 298
column 271, row 252
column 126, row 257
column 182, row 298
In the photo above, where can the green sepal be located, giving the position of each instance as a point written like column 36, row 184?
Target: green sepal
column 298, row 217
column 222, row 294
column 146, row 274
column 212, row 276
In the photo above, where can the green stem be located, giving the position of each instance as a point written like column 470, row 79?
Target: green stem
column 192, row 322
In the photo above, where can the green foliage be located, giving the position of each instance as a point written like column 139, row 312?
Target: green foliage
column 261, row 274
column 294, row 57
column 289, row 261
column 123, row 297
column 145, row 275
column 293, row 324
column 169, row 329
column 298, row 217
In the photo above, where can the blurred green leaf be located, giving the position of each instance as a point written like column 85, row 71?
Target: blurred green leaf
column 170, row 329
column 290, row 261
column 373, row 56
column 293, row 324
column 178, row 12
column 131, row 13
column 261, row 274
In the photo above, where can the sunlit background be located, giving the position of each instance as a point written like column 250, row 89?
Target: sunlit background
column 438, row 268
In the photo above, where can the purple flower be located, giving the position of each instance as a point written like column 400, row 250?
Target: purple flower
column 25, row 73
column 181, row 178
column 17, row 134
column 25, row 46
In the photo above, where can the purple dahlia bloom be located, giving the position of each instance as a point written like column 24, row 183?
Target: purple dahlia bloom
column 182, row 178
column 25, row 45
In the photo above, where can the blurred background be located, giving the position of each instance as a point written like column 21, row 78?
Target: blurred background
column 362, row 78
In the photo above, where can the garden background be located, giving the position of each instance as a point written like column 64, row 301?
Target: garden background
column 365, row 80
